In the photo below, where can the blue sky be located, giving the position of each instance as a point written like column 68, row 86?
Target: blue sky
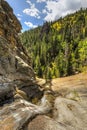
column 32, row 13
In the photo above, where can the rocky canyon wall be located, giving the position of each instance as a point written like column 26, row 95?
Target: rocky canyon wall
column 15, row 63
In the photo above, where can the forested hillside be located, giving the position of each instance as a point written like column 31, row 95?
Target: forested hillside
column 59, row 48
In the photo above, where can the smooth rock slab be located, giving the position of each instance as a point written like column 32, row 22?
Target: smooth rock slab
column 67, row 115
column 15, row 115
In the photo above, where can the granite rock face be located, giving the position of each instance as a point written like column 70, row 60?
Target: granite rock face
column 15, row 63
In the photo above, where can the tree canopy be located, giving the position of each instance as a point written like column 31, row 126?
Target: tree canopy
column 58, row 48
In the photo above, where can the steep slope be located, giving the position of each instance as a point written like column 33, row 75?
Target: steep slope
column 15, row 64
column 17, row 78
column 59, row 48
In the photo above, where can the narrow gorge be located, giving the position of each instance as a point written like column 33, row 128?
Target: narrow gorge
column 27, row 103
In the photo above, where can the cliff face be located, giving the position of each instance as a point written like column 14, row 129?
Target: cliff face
column 9, row 25
column 15, row 64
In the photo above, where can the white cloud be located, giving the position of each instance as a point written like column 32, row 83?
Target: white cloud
column 32, row 10
column 30, row 25
column 40, row 1
column 19, row 15
column 19, row 18
column 29, row 2
column 44, row 11
column 57, row 8
column 84, row 3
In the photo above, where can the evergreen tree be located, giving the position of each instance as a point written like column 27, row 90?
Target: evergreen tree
column 58, row 48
